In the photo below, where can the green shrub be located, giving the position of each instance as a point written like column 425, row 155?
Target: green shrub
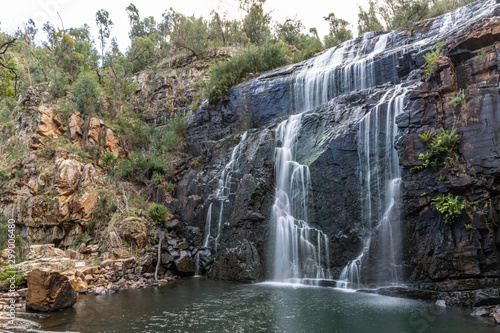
column 109, row 162
column 19, row 173
column 103, row 211
column 133, row 168
column 441, row 149
column 4, row 231
column 169, row 187
column 460, row 99
column 227, row 74
column 179, row 125
column 158, row 213
column 4, row 176
column 81, row 239
column 87, row 94
column 431, row 59
column 157, row 178
column 7, row 105
column 449, row 205
column 5, row 276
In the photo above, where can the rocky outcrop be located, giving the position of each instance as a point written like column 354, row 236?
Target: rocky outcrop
column 134, row 231
column 49, row 291
column 241, row 263
column 174, row 87
column 49, row 125
column 75, row 129
column 437, row 251
column 329, row 143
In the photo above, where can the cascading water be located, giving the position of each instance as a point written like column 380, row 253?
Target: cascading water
column 301, row 252
column 226, row 188
column 380, row 176
column 339, row 70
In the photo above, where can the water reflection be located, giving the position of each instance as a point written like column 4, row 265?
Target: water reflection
column 200, row 305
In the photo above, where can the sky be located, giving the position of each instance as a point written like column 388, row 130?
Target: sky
column 76, row 13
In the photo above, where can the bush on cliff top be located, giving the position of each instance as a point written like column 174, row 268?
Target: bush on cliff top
column 257, row 59
column 158, row 213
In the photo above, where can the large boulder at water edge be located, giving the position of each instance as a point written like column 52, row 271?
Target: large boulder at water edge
column 49, row 291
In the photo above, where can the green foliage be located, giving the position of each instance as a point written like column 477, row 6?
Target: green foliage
column 441, row 149
column 8, row 76
column 158, row 213
column 450, row 206
column 179, row 125
column 19, row 173
column 87, row 94
column 431, row 59
column 133, row 168
column 103, row 211
column 468, row 226
column 189, row 33
column 4, row 176
column 104, row 25
column 367, row 20
column 141, row 52
column 4, row 231
column 81, row 239
column 169, row 187
column 460, row 99
column 227, row 74
column 255, row 23
column 157, row 178
column 109, row 162
column 339, row 31
column 7, row 106
column 6, row 276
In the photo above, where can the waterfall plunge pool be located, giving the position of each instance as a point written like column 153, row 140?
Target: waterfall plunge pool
column 202, row 305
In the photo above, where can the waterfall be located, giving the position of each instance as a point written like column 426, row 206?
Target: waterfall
column 301, row 252
column 222, row 196
column 380, row 176
column 340, row 70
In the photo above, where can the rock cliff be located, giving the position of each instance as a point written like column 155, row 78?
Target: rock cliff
column 361, row 80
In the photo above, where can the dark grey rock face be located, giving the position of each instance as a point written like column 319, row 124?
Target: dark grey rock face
column 328, row 143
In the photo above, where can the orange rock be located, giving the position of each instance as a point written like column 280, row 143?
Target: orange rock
column 79, row 286
column 75, row 129
column 112, row 144
column 46, row 125
column 67, row 176
column 94, row 130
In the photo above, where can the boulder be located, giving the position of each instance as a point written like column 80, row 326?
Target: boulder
column 480, row 312
column 166, row 258
column 100, row 291
column 45, row 251
column 79, row 286
column 72, row 254
column 496, row 316
column 49, row 291
column 185, row 263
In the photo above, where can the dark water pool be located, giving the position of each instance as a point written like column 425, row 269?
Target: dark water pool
column 200, row 305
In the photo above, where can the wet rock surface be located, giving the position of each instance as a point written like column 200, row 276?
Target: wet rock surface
column 328, row 144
